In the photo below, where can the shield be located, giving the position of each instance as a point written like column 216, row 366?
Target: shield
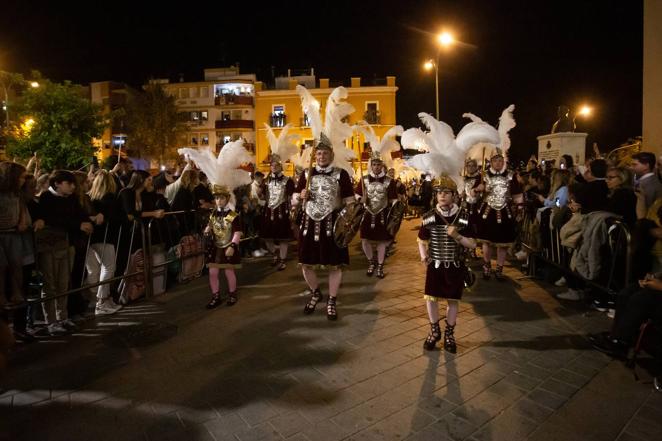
column 394, row 218
column 347, row 224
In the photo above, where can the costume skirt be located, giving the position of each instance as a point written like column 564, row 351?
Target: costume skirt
column 493, row 232
column 216, row 258
column 322, row 252
column 275, row 224
column 377, row 232
column 444, row 283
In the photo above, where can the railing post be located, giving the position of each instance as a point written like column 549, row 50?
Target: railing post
column 147, row 262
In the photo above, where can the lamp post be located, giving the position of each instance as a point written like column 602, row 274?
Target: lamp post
column 444, row 40
column 584, row 111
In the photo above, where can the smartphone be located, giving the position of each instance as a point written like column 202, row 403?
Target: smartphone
column 557, row 203
column 562, row 166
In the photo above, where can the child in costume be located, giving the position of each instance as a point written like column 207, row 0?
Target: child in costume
column 224, row 227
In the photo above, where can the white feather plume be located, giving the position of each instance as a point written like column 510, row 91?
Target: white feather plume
column 337, row 130
column 311, row 107
column 386, row 146
column 283, row 145
column 506, row 123
column 446, row 153
column 222, row 170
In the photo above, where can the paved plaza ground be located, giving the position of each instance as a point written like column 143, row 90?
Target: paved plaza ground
column 167, row 369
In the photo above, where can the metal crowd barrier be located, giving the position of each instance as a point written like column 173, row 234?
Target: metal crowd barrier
column 556, row 254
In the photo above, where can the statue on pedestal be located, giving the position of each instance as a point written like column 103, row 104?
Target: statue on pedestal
column 564, row 123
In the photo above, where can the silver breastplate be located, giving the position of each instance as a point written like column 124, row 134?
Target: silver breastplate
column 277, row 192
column 442, row 248
column 377, row 195
column 324, row 195
column 497, row 191
column 469, row 183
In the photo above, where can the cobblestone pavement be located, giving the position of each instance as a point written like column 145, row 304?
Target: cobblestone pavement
column 167, row 369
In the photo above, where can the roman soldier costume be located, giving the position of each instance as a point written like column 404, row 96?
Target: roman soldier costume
column 444, row 235
column 379, row 194
column 275, row 225
column 328, row 188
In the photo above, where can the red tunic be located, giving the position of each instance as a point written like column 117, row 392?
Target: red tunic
column 275, row 223
column 498, row 227
column 444, row 282
column 373, row 226
column 324, row 251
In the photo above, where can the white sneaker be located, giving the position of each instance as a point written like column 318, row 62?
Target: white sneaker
column 560, row 282
column 106, row 307
column 57, row 329
column 570, row 294
column 258, row 253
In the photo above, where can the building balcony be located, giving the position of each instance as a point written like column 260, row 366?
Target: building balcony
column 372, row 117
column 278, row 120
column 233, row 100
column 235, row 124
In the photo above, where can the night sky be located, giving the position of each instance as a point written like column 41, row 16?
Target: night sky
column 535, row 54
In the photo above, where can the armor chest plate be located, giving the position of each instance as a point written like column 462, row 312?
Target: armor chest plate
column 222, row 228
column 469, row 183
column 377, row 195
column 324, row 195
column 277, row 192
column 497, row 191
column 442, row 247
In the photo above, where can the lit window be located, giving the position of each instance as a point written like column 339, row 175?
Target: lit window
column 204, row 115
column 204, row 139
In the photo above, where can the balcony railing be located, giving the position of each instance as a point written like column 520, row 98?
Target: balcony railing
column 372, row 117
column 233, row 100
column 235, row 124
column 278, row 120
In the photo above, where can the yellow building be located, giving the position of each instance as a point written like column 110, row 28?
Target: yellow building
column 277, row 107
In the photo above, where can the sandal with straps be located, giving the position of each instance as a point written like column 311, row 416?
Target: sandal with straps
column 433, row 337
column 380, row 271
column 275, row 260
column 215, row 301
column 280, row 266
column 498, row 273
column 449, row 338
column 232, row 299
column 487, row 270
column 371, row 268
column 331, row 312
column 315, row 298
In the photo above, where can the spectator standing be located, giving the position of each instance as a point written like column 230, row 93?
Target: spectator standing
column 647, row 185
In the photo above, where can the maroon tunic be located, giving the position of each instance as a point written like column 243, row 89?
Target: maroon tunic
column 442, row 282
column 275, row 223
column 473, row 208
column 373, row 227
column 498, row 227
column 323, row 252
column 216, row 257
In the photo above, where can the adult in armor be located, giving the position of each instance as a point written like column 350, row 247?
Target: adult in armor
column 329, row 190
column 442, row 242
column 470, row 198
column 378, row 194
column 275, row 227
column 498, row 214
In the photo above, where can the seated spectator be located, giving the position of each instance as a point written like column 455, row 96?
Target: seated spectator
column 621, row 199
column 647, row 185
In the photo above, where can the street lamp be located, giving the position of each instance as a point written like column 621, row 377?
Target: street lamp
column 444, row 40
column 584, row 111
column 34, row 84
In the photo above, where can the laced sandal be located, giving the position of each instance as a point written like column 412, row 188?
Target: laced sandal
column 449, row 339
column 315, row 298
column 232, row 299
column 487, row 271
column 331, row 312
column 498, row 272
column 371, row 268
column 215, row 301
column 433, row 337
column 275, row 261
column 380, row 271
column 281, row 265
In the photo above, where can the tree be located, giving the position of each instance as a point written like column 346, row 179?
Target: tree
column 153, row 125
column 57, row 122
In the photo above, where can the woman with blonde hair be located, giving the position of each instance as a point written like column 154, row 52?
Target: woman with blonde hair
column 100, row 261
column 621, row 199
column 558, row 190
